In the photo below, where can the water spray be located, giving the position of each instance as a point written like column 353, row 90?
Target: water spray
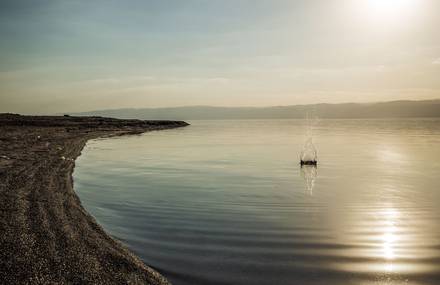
column 309, row 155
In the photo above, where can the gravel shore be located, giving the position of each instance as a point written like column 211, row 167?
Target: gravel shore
column 46, row 236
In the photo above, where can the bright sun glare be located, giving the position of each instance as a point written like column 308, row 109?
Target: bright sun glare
column 383, row 12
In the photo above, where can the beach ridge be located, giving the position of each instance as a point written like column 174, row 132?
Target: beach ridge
column 47, row 236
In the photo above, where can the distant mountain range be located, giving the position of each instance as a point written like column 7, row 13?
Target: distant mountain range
column 394, row 109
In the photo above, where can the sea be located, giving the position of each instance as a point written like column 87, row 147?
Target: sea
column 227, row 201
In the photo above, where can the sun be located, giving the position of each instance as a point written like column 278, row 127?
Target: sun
column 390, row 8
column 386, row 12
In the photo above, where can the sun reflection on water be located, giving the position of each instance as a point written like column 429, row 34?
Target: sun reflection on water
column 389, row 238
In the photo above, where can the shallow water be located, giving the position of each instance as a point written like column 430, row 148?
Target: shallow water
column 226, row 202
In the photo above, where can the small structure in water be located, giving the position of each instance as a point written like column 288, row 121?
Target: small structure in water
column 309, row 162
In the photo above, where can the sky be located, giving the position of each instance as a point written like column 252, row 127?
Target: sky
column 68, row 56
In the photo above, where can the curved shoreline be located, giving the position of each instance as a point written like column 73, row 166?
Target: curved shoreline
column 47, row 236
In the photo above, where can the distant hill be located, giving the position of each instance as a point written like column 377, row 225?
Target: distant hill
column 394, row 109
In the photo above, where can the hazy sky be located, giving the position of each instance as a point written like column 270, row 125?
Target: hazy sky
column 65, row 56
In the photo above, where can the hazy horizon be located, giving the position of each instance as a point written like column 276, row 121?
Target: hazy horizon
column 59, row 56
column 268, row 106
column 86, row 111
column 390, row 109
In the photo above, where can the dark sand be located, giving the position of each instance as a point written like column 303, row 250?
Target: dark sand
column 46, row 236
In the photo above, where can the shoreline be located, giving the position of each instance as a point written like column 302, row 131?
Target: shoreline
column 47, row 236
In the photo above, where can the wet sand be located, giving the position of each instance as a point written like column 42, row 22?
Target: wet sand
column 46, row 235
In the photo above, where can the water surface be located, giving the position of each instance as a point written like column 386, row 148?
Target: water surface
column 226, row 202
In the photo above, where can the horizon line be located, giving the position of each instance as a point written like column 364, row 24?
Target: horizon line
column 254, row 107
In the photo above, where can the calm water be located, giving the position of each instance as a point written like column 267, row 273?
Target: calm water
column 225, row 202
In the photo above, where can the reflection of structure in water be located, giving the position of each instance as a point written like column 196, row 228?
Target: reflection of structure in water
column 309, row 173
